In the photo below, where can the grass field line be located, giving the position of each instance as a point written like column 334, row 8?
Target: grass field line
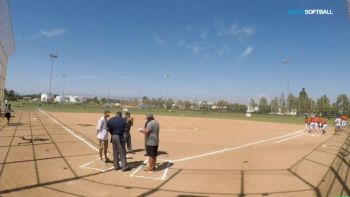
column 238, row 147
column 70, row 131
column 289, row 138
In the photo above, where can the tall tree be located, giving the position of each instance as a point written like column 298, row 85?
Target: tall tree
column 274, row 105
column 323, row 105
column 292, row 102
column 252, row 103
column 263, row 105
column 303, row 102
column 342, row 103
column 282, row 103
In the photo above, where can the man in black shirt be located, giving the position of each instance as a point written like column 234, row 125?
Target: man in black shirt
column 127, row 136
column 116, row 126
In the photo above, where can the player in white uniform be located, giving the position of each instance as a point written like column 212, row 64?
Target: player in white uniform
column 338, row 124
column 102, row 135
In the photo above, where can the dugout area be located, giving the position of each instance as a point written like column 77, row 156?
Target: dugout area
column 55, row 154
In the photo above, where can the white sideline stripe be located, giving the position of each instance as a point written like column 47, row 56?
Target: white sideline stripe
column 192, row 129
column 237, row 147
column 332, row 146
column 147, row 177
column 70, row 131
column 289, row 138
column 88, row 163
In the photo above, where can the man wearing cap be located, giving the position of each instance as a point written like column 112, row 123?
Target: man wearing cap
column 129, row 122
column 102, row 135
column 116, row 126
column 151, row 132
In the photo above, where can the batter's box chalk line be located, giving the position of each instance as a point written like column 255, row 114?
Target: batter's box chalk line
column 88, row 165
column 161, row 178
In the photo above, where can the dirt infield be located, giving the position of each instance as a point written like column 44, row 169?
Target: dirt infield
column 55, row 154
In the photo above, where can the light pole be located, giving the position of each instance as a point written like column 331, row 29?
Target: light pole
column 286, row 62
column 64, row 84
column 166, row 89
column 52, row 56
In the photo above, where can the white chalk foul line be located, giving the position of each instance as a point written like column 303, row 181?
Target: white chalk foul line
column 70, row 131
column 289, row 138
column 237, row 147
column 88, row 163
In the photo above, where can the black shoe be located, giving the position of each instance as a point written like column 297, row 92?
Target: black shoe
column 117, row 167
column 126, row 168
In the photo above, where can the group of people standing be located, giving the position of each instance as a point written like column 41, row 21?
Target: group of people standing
column 317, row 123
column 119, row 128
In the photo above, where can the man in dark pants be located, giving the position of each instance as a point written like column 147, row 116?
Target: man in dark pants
column 116, row 126
column 127, row 136
column 151, row 132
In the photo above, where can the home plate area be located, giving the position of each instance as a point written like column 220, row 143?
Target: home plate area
column 160, row 172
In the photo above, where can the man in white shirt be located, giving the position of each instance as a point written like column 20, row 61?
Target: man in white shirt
column 102, row 135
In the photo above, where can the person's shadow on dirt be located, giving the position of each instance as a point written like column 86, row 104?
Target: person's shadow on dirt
column 135, row 164
column 163, row 166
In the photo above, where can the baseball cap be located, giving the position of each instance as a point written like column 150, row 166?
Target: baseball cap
column 149, row 115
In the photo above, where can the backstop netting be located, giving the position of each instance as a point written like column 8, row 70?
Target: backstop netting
column 7, row 44
column 348, row 3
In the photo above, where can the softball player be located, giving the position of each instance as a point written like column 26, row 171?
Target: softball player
column 337, row 125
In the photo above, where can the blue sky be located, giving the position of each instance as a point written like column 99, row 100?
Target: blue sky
column 210, row 49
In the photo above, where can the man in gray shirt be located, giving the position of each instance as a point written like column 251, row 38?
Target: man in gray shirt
column 151, row 132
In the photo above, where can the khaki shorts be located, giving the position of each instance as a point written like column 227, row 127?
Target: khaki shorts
column 103, row 143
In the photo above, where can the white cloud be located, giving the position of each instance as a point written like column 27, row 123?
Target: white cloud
column 240, row 31
column 53, row 32
column 204, row 35
column 189, row 29
column 181, row 42
column 196, row 49
column 247, row 31
column 234, row 30
column 207, row 56
column 159, row 41
column 220, row 52
column 247, row 51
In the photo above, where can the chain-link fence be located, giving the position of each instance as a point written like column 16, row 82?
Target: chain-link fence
column 7, row 44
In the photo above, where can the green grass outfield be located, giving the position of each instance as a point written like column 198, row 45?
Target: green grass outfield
column 187, row 113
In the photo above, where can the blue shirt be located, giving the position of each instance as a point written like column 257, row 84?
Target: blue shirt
column 116, row 125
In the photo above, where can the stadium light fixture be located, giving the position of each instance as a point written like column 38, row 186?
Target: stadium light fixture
column 64, row 84
column 52, row 56
column 348, row 3
column 167, row 76
column 286, row 62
